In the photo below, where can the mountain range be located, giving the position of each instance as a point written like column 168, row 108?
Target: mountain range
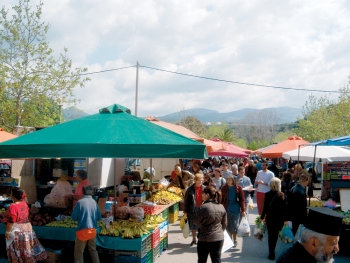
column 285, row 114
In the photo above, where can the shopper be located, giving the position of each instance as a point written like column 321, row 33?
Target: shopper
column 244, row 181
column 234, row 203
column 24, row 246
column 274, row 213
column 211, row 216
column 218, row 180
column 193, row 200
column 263, row 179
column 87, row 213
column 297, row 203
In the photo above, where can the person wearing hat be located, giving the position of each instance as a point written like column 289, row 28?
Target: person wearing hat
column 317, row 240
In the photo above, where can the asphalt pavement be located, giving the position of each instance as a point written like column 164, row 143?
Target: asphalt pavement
column 249, row 249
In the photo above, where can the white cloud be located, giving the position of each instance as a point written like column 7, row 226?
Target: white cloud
column 298, row 44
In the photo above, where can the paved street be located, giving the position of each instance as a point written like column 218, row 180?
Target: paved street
column 249, row 248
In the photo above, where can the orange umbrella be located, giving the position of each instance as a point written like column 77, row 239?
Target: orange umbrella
column 232, row 146
column 278, row 149
column 4, row 136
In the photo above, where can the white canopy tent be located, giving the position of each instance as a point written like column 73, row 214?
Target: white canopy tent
column 326, row 153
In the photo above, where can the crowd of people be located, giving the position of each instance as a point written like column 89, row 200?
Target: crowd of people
column 281, row 200
column 216, row 195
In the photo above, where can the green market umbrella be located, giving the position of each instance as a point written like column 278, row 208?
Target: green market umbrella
column 112, row 133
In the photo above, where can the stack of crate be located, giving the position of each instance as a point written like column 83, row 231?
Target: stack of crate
column 173, row 213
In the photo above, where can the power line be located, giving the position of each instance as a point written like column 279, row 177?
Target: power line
column 237, row 82
column 214, row 79
column 103, row 71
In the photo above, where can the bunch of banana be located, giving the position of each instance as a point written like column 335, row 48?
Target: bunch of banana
column 153, row 219
column 127, row 228
column 164, row 197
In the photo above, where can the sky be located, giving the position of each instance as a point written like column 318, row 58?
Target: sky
column 293, row 44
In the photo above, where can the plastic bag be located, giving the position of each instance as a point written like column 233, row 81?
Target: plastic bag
column 186, row 229
column 250, row 203
column 137, row 213
column 59, row 196
column 183, row 221
column 244, row 228
column 330, row 203
column 259, row 231
column 228, row 243
column 164, row 182
column 122, row 212
column 286, row 234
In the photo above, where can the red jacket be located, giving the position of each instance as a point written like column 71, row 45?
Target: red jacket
column 239, row 193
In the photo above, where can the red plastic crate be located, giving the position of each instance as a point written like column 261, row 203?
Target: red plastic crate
column 155, row 237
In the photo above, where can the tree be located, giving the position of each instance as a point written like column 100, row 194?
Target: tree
column 258, row 126
column 222, row 132
column 33, row 81
column 325, row 118
column 193, row 124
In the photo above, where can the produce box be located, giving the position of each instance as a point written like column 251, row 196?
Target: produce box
column 165, row 213
column 155, row 237
column 151, row 210
column 173, row 217
column 137, row 198
column 174, row 208
column 156, row 252
column 164, row 243
column 163, row 228
column 346, row 177
column 127, row 257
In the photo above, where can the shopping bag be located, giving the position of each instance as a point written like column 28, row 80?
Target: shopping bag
column 186, row 229
column 183, row 221
column 250, row 203
column 286, row 234
column 259, row 231
column 228, row 243
column 244, row 228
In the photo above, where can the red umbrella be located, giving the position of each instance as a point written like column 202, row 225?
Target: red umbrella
column 231, row 151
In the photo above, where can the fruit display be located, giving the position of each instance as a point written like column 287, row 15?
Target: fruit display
column 316, row 203
column 346, row 219
column 175, row 190
column 41, row 218
column 131, row 228
column 163, row 197
column 67, row 222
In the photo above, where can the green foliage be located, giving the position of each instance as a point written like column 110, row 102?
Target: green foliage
column 222, row 132
column 33, row 82
column 193, row 124
column 283, row 136
column 324, row 118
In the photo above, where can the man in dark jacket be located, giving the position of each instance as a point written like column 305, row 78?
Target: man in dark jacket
column 318, row 239
column 251, row 171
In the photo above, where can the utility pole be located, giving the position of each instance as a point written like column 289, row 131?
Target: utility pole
column 137, row 87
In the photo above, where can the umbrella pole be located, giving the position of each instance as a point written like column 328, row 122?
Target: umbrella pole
column 151, row 171
column 115, row 185
column 313, row 168
column 298, row 161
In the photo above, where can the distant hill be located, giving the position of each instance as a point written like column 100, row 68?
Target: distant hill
column 286, row 115
column 72, row 113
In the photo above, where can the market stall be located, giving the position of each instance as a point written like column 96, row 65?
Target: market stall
column 112, row 133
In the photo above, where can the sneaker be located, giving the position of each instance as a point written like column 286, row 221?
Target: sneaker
column 235, row 243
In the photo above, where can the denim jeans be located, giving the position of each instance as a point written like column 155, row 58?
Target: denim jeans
column 80, row 247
